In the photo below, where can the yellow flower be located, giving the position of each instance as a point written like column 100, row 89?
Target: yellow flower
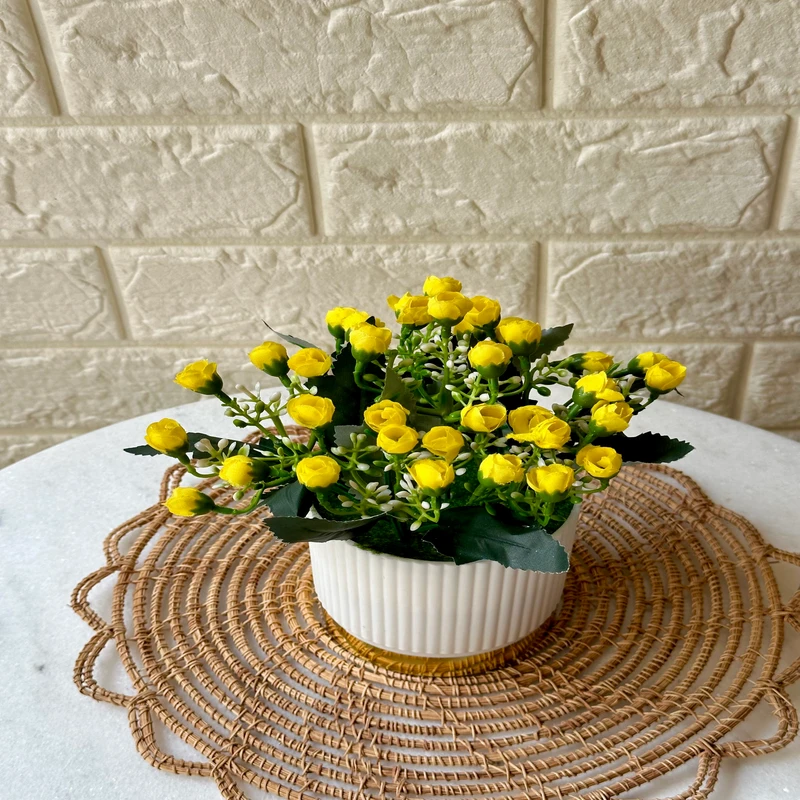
column 310, row 410
column 166, row 436
column 484, row 313
column 596, row 361
column 385, row 412
column 317, row 472
column 489, row 358
column 397, row 439
column 238, row 471
column 335, row 319
column 200, row 377
column 410, row 309
column 664, row 376
column 483, row 417
column 551, row 434
column 644, row 361
column 449, row 308
column 270, row 357
column 602, row 462
column 434, row 285
column 525, row 418
column 597, row 386
column 444, row 441
column 310, row 362
column 553, row 480
column 500, row 470
column 188, row 502
column 369, row 340
column 356, row 318
column 521, row 335
column 611, row 417
column 431, row 474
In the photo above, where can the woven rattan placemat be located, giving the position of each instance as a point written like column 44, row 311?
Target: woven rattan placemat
column 670, row 634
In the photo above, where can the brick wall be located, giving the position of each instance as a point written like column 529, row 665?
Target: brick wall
column 172, row 171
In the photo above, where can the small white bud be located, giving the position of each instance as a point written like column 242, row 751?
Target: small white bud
column 461, row 471
column 515, row 379
column 275, row 398
column 223, row 443
column 484, row 398
column 314, row 389
column 372, row 486
column 426, row 505
column 415, row 526
column 463, row 456
column 403, row 495
column 229, row 412
column 286, row 440
column 363, row 467
column 385, row 507
column 347, row 503
column 443, row 506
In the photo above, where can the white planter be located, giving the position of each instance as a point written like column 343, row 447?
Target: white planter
column 434, row 609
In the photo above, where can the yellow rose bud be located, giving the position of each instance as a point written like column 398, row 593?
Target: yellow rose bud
column 238, row 471
column 431, row 474
column 611, row 417
column 483, row 417
column 310, row 362
column 336, row 318
column 521, row 335
column 525, row 418
column 500, row 470
column 369, row 341
column 553, row 480
column 434, row 285
column 596, row 361
column 601, row 462
column 597, row 386
column 551, row 434
column 449, row 308
column 489, row 359
column 664, row 376
column 444, row 441
column 484, row 313
column 356, row 318
column 317, row 472
column 200, row 377
column 386, row 412
column 397, row 439
column 310, row 410
column 166, row 436
column 644, row 361
column 410, row 309
column 270, row 357
column 465, row 326
column 188, row 502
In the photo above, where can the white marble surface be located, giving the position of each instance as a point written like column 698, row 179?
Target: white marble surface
column 57, row 506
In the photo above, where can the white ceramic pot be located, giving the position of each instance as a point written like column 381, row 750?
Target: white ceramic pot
column 434, row 609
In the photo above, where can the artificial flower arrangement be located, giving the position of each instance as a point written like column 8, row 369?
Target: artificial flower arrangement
column 429, row 442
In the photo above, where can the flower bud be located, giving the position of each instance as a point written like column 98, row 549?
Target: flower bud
column 610, row 417
column 483, row 418
column 597, row 386
column 489, row 359
column 270, row 357
column 432, row 475
column 410, row 309
column 521, row 335
column 601, row 462
column 369, row 341
column 484, row 314
column 664, row 376
column 551, row 434
column 448, row 308
column 385, row 412
column 444, row 441
column 188, row 502
column 434, row 285
column 525, row 418
column 310, row 362
column 397, row 439
column 201, row 377
column 310, row 410
column 596, row 361
column 336, row 317
column 239, row 471
column 167, row 436
column 500, row 470
column 552, row 481
column 644, row 361
column 318, row 472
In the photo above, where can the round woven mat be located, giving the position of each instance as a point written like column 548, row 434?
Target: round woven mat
column 669, row 635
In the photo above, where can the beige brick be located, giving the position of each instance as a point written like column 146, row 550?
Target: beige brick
column 673, row 53
column 569, row 176
column 24, row 88
column 15, row 447
column 51, row 295
column 773, row 390
column 207, row 294
column 631, row 290
column 90, row 387
column 133, row 182
column 713, row 370
column 240, row 57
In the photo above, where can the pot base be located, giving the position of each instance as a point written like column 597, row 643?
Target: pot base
column 429, row 665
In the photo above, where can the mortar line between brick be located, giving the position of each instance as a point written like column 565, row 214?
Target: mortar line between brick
column 737, row 406
column 542, row 282
column 548, row 60
column 115, row 292
column 57, row 90
column 783, row 178
column 312, row 180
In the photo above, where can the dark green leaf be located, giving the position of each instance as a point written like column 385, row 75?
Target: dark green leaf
column 649, row 448
column 341, row 434
column 552, row 339
column 424, row 422
column 287, row 338
column 142, row 450
column 341, row 388
column 291, row 500
column 300, row 529
column 471, row 534
column 395, row 389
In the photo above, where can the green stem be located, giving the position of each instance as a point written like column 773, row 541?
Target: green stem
column 238, row 511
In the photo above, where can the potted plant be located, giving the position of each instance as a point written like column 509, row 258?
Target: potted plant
column 438, row 495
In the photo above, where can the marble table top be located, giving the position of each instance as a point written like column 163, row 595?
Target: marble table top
column 57, row 506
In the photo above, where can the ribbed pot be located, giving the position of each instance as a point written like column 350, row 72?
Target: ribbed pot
column 434, row 609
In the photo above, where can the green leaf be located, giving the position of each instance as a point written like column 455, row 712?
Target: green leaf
column 648, row 448
column 470, row 534
column 291, row 500
column 552, row 339
column 287, row 338
column 341, row 388
column 341, row 434
column 424, row 422
column 395, row 389
column 300, row 529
